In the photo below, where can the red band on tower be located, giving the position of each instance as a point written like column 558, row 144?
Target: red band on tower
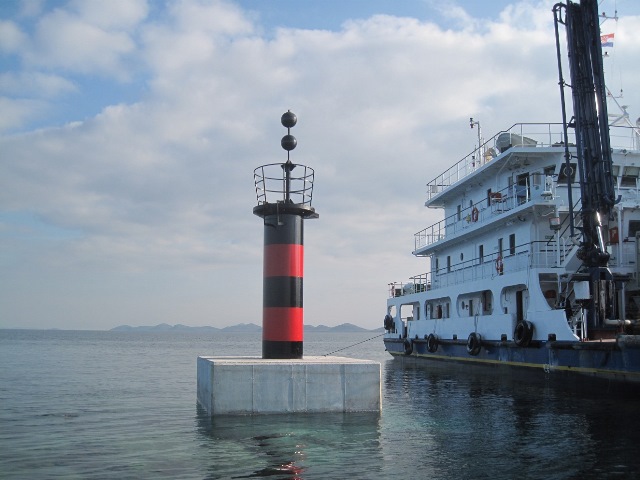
column 284, row 260
column 282, row 324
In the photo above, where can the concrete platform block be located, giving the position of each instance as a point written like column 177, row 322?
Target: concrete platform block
column 252, row 385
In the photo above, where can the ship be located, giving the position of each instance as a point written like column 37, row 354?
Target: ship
column 536, row 263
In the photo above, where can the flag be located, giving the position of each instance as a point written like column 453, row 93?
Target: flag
column 607, row 40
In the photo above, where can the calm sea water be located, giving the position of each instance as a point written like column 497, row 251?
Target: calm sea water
column 95, row 405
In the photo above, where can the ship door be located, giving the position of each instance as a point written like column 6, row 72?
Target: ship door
column 522, row 188
column 519, row 307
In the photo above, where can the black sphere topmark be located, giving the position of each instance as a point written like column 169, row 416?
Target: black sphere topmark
column 289, row 119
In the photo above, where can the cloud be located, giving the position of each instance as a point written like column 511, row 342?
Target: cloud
column 155, row 196
column 65, row 41
column 31, row 8
column 34, row 84
column 18, row 112
column 82, row 37
column 112, row 15
column 11, row 37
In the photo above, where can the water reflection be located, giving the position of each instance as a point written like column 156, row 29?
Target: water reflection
column 481, row 423
column 297, row 446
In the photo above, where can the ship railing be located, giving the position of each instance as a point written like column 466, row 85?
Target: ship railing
column 488, row 266
column 273, row 185
column 625, row 137
column 561, row 245
column 536, row 254
column 453, row 224
column 439, row 230
column 557, row 250
column 547, row 254
column 522, row 135
column 417, row 283
column 497, row 202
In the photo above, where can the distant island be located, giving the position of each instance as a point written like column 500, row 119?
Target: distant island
column 240, row 328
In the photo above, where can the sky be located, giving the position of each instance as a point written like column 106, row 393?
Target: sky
column 130, row 130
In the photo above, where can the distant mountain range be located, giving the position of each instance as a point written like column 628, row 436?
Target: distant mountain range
column 240, row 328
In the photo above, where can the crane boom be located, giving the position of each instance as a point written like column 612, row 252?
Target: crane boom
column 593, row 149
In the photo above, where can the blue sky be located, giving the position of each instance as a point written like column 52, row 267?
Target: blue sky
column 130, row 131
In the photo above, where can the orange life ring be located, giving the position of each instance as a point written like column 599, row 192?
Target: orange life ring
column 474, row 214
column 499, row 265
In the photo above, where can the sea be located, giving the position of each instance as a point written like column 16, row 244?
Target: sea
column 122, row 405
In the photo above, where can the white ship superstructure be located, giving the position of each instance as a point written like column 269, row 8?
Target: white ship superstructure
column 536, row 261
column 503, row 252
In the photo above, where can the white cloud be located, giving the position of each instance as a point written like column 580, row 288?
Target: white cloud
column 114, row 14
column 451, row 10
column 81, row 37
column 31, row 8
column 34, row 84
column 17, row 112
column 11, row 37
column 65, row 41
column 160, row 192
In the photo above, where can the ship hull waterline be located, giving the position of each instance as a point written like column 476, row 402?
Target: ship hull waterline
column 601, row 360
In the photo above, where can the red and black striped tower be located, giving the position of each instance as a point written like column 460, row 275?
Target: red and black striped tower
column 284, row 201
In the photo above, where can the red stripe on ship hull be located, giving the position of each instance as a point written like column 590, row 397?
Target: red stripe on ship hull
column 284, row 324
column 283, row 260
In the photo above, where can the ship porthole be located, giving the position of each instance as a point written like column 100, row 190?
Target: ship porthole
column 474, row 343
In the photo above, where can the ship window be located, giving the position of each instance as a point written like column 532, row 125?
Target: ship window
column 406, row 312
column 437, row 266
column 628, row 181
column 500, row 247
column 615, row 170
column 471, row 307
column 634, row 228
column 537, row 179
column 448, row 263
column 459, row 212
column 630, row 171
column 489, row 197
column 512, row 244
column 522, row 188
column 486, row 301
column 446, row 310
column 461, row 256
column 481, row 253
column 564, row 172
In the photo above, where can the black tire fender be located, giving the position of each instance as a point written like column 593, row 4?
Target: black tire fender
column 474, row 343
column 523, row 333
column 432, row 343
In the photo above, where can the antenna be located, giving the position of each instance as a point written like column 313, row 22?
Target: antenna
column 473, row 123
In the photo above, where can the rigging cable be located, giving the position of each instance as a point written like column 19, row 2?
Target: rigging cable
column 363, row 341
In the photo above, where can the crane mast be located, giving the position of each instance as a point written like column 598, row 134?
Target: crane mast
column 593, row 150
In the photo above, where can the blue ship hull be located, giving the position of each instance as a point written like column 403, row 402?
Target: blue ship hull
column 617, row 360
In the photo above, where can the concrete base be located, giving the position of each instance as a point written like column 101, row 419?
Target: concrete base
column 252, row 385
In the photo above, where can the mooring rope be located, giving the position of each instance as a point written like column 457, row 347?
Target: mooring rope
column 340, row 349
